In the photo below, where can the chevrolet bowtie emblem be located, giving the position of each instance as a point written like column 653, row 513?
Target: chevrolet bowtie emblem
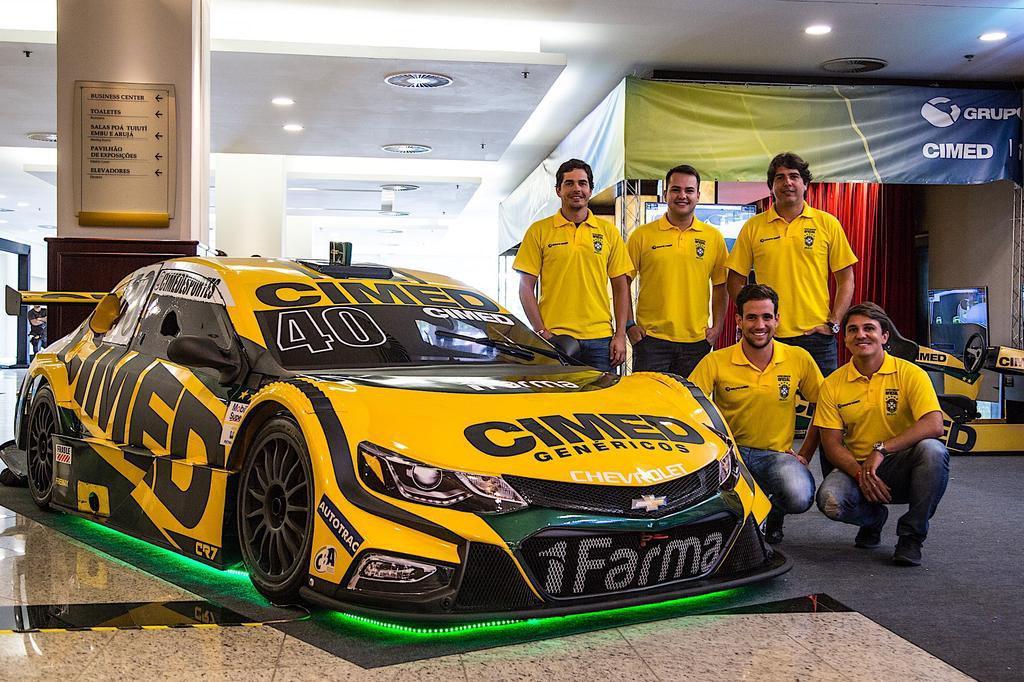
column 648, row 503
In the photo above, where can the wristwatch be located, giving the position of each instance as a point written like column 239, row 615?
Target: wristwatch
column 833, row 326
column 880, row 446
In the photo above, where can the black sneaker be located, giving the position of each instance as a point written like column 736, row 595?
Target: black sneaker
column 869, row 537
column 908, row 552
column 773, row 528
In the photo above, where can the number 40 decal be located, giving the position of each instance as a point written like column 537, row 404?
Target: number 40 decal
column 319, row 332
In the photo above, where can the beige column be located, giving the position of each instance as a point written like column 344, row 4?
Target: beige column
column 249, row 204
column 138, row 41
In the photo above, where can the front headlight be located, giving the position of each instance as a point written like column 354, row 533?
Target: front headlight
column 397, row 476
column 729, row 465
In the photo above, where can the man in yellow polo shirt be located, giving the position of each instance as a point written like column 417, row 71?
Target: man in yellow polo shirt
column 792, row 247
column 573, row 254
column 681, row 264
column 754, row 384
column 880, row 423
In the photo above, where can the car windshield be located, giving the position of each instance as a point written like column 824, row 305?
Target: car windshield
column 380, row 335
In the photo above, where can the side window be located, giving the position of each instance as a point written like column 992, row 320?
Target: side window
column 168, row 317
column 133, row 296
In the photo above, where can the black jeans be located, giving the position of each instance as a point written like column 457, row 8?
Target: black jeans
column 657, row 355
column 824, row 350
column 916, row 476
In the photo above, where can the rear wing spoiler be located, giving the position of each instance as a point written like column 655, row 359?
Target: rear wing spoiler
column 15, row 299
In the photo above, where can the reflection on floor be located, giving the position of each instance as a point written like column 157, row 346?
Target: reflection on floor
column 38, row 566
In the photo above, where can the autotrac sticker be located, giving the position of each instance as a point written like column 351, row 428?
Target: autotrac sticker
column 560, row 436
column 339, row 525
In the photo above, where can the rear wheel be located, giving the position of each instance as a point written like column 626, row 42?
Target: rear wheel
column 275, row 504
column 42, row 426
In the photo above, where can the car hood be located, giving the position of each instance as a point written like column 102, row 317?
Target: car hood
column 575, row 425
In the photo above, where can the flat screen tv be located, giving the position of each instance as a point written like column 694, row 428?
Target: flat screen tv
column 728, row 218
column 954, row 315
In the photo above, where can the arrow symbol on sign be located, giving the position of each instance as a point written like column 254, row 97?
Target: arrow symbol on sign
column 158, row 136
column 159, row 98
column 158, row 156
column 158, row 114
column 158, row 172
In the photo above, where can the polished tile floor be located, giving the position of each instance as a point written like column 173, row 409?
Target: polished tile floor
column 40, row 566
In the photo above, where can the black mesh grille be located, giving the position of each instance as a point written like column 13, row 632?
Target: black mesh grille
column 748, row 552
column 679, row 493
column 567, row 563
column 491, row 581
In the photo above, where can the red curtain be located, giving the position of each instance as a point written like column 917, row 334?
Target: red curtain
column 879, row 223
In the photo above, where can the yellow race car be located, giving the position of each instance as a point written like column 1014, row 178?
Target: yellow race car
column 382, row 441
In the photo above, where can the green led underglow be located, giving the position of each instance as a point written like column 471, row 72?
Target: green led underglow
column 234, row 578
column 657, row 610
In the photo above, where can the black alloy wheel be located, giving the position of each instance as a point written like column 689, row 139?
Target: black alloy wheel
column 275, row 510
column 42, row 426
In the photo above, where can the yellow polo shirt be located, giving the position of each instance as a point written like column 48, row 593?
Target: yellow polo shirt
column 794, row 259
column 876, row 409
column 677, row 269
column 574, row 265
column 759, row 406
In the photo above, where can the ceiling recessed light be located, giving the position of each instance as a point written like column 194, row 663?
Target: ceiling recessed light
column 3, row 196
column 303, row 189
column 394, row 214
column 283, row 101
column 42, row 137
column 400, row 188
column 47, row 227
column 818, row 29
column 390, row 231
column 292, row 127
column 407, row 148
column 3, row 222
column 992, row 36
column 418, row 81
column 22, row 204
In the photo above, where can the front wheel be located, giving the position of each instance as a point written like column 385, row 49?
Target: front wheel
column 42, row 426
column 275, row 505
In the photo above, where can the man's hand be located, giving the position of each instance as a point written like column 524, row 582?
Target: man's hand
column 803, row 460
column 617, row 349
column 874, row 488
column 636, row 334
column 545, row 334
column 712, row 334
column 820, row 329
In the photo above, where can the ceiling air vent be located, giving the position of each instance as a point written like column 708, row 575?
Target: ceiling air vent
column 406, row 148
column 401, row 188
column 42, row 137
column 854, row 65
column 419, row 81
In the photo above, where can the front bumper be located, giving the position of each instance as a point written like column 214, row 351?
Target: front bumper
column 491, row 584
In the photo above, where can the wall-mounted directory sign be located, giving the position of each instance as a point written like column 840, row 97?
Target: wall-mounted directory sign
column 124, row 154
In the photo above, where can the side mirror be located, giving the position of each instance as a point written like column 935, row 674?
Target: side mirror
column 566, row 345
column 106, row 314
column 203, row 352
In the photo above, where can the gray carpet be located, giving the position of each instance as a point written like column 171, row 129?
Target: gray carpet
column 964, row 604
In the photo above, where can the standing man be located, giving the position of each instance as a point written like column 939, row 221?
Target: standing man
column 754, row 383
column 37, row 328
column 880, row 420
column 681, row 264
column 573, row 254
column 792, row 248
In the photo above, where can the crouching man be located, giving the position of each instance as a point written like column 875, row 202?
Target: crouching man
column 879, row 420
column 754, row 383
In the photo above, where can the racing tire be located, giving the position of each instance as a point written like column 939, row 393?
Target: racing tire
column 275, row 510
column 42, row 427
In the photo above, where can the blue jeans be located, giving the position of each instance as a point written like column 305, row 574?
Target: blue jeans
column 658, row 355
column 594, row 352
column 825, row 352
column 916, row 476
column 782, row 477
